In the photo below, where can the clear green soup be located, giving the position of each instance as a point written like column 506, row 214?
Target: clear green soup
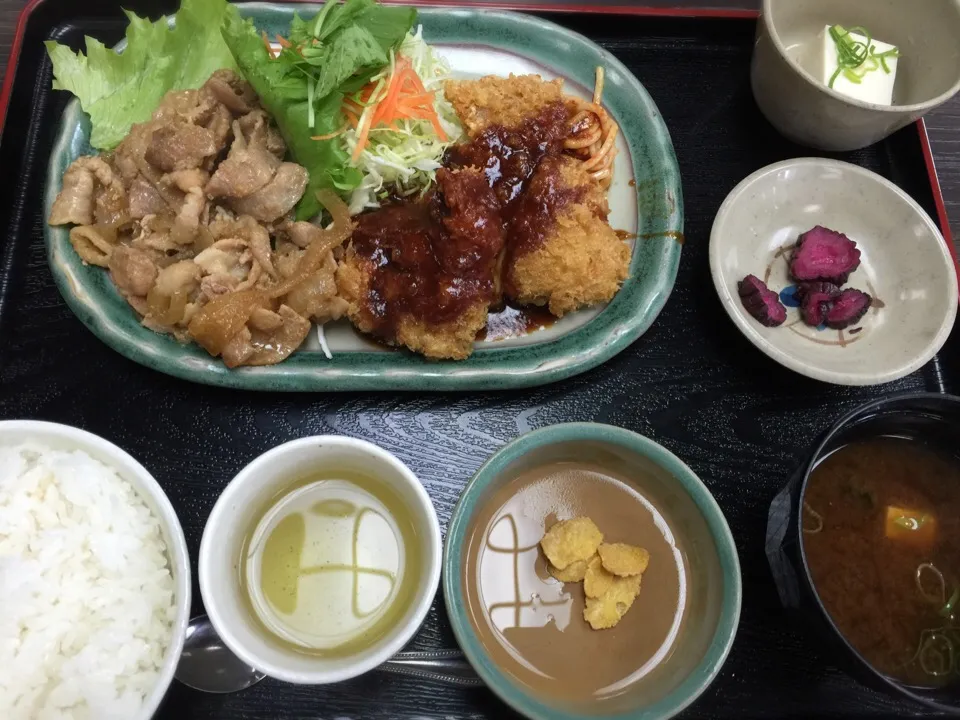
column 330, row 564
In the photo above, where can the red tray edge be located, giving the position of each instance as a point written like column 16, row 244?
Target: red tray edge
column 633, row 10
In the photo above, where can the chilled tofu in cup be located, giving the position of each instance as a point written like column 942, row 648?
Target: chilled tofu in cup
column 840, row 76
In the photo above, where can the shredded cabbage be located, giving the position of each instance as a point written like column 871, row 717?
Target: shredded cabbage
column 405, row 160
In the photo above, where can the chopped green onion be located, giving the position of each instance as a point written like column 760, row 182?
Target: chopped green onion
column 816, row 516
column 937, row 662
column 931, row 597
column 854, row 58
column 947, row 609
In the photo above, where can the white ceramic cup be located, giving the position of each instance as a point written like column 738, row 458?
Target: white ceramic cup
column 223, row 536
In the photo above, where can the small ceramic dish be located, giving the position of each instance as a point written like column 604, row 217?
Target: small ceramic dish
column 905, row 266
column 223, row 535
column 65, row 437
column 524, row 631
column 805, row 110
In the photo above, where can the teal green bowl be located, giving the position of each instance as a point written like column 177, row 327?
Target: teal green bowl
column 712, row 571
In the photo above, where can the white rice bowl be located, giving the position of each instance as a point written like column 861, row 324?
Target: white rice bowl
column 94, row 579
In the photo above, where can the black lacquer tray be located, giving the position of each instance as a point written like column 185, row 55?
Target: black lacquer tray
column 692, row 383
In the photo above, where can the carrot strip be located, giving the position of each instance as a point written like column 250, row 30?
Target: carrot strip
column 438, row 128
column 415, row 100
column 266, row 44
column 283, row 41
column 367, row 91
column 393, row 89
column 415, row 81
column 352, row 117
column 363, row 133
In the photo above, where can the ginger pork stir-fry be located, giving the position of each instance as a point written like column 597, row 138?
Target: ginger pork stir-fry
column 190, row 216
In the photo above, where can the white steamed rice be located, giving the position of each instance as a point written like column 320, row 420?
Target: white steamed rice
column 86, row 593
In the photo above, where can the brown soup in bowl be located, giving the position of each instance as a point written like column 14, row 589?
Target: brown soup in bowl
column 532, row 623
column 525, row 631
column 881, row 538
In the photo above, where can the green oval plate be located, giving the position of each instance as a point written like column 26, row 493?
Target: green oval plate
column 645, row 199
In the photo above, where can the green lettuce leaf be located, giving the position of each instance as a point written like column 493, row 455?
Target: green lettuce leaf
column 118, row 90
column 389, row 25
column 337, row 51
column 350, row 52
column 283, row 92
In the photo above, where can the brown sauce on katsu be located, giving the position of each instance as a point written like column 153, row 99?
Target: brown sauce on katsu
column 496, row 199
column 514, row 321
column 522, row 165
column 434, row 258
column 533, row 215
column 509, row 156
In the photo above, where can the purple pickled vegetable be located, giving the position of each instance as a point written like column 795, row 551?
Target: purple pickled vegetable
column 816, row 299
column 824, row 254
column 848, row 308
column 761, row 302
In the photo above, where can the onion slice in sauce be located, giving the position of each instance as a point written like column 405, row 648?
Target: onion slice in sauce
column 166, row 310
column 326, row 241
column 219, row 321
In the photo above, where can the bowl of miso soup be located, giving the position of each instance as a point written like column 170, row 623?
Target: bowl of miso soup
column 878, row 523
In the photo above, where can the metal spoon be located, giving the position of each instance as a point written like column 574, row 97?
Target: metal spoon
column 444, row 666
column 206, row 664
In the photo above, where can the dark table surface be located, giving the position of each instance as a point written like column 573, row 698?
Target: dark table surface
column 677, row 399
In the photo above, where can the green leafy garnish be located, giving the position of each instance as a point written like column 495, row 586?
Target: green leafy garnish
column 855, row 58
column 335, row 52
column 118, row 90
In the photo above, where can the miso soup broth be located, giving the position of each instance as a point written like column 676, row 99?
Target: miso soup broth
column 881, row 535
column 331, row 564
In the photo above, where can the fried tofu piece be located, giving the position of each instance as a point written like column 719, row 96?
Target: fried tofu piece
column 574, row 572
column 607, row 609
column 568, row 541
column 601, row 613
column 581, row 261
column 506, row 101
column 622, row 559
column 596, row 580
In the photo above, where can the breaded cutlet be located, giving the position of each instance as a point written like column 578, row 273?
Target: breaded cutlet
column 450, row 340
column 422, row 275
column 506, row 101
column 581, row 261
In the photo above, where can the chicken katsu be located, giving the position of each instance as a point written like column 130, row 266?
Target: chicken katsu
column 424, row 274
column 531, row 225
column 560, row 250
